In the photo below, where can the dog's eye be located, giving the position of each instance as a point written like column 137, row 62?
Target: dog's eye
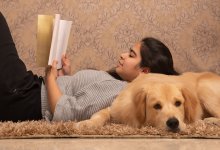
column 177, row 103
column 157, row 106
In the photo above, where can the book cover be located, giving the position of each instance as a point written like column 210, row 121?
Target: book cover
column 52, row 39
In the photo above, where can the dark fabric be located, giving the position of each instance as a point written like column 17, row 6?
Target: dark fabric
column 20, row 90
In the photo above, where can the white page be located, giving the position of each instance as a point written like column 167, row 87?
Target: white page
column 53, row 47
column 62, row 41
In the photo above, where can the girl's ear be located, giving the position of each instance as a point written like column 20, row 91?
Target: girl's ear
column 145, row 70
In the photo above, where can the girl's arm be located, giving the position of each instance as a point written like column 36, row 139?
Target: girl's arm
column 53, row 91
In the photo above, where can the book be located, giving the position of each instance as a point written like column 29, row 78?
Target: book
column 52, row 39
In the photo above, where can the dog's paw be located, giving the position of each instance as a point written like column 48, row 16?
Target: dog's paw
column 85, row 124
column 212, row 120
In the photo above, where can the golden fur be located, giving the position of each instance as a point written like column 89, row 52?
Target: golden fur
column 162, row 101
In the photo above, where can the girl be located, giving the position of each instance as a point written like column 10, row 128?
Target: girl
column 23, row 95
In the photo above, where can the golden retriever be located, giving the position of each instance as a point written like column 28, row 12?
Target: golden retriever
column 163, row 101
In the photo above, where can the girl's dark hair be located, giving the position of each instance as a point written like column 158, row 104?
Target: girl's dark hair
column 154, row 55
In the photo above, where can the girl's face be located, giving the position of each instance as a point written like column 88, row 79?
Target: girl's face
column 128, row 67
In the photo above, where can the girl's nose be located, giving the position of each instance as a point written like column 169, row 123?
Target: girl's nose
column 123, row 55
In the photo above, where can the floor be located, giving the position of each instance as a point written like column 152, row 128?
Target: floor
column 107, row 144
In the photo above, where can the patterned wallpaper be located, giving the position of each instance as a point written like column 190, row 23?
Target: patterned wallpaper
column 102, row 29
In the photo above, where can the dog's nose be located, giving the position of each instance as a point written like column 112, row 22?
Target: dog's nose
column 173, row 123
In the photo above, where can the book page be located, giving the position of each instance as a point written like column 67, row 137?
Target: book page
column 62, row 41
column 53, row 48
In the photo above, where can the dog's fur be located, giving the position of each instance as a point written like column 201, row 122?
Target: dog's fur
column 166, row 102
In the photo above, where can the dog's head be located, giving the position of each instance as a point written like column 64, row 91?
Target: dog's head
column 162, row 105
column 165, row 106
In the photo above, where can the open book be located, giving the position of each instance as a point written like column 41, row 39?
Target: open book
column 52, row 39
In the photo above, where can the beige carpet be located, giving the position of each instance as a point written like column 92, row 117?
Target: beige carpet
column 43, row 129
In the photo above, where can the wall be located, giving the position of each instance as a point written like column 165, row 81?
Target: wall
column 102, row 29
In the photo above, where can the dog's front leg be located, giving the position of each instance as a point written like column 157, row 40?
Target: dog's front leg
column 97, row 120
column 212, row 121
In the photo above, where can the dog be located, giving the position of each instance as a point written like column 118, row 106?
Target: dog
column 163, row 101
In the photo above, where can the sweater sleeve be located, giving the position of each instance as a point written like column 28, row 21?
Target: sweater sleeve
column 88, row 99
column 67, row 108
column 68, row 85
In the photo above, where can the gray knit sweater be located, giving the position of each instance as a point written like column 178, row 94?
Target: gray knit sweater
column 84, row 93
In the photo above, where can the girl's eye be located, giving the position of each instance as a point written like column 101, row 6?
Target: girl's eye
column 131, row 54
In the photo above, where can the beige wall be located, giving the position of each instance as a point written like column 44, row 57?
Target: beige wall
column 102, row 29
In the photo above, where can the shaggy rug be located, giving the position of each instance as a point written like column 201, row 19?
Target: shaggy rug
column 42, row 129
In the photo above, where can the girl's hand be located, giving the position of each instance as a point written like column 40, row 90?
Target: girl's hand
column 66, row 66
column 51, row 71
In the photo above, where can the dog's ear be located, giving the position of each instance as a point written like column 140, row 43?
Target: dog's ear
column 140, row 106
column 190, row 105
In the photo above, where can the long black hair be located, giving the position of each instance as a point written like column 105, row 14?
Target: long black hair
column 155, row 55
